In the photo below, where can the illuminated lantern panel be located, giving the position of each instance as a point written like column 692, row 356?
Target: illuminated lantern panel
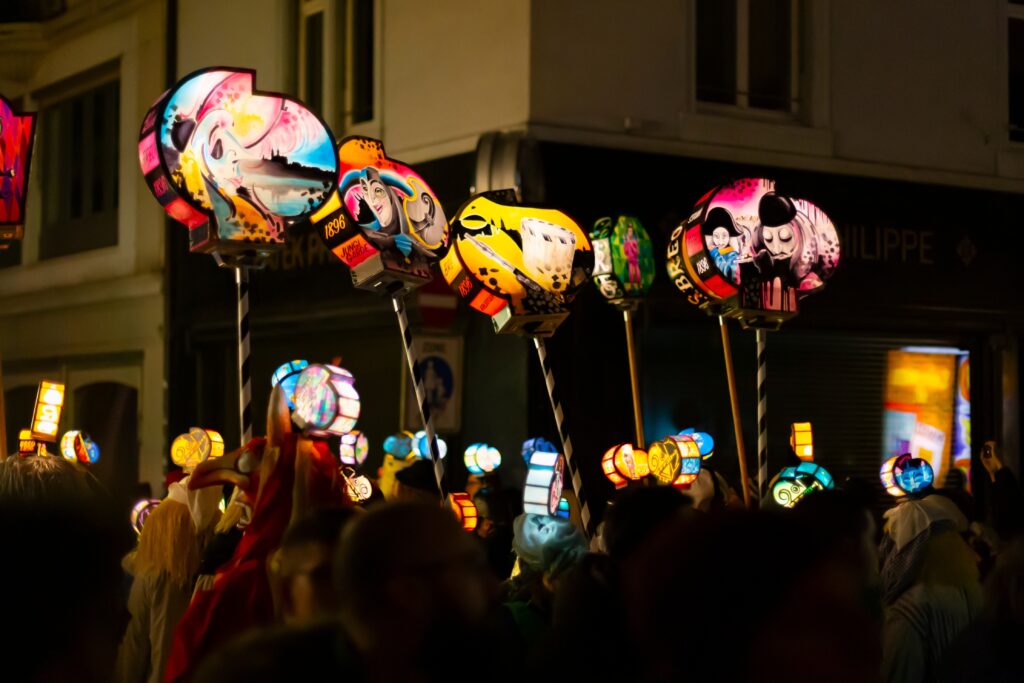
column 793, row 483
column 326, row 402
column 353, row 448
column 801, row 440
column 906, row 474
column 664, row 460
column 287, row 376
column 563, row 508
column 609, row 469
column 421, row 446
column 46, row 415
column 358, row 487
column 481, row 459
column 140, row 511
column 624, row 265
column 690, row 461
column 625, row 463
column 705, row 442
column 465, row 510
column 889, row 478
column 544, row 480
column 76, row 446
column 28, row 445
column 536, row 444
column 399, row 445
column 196, row 446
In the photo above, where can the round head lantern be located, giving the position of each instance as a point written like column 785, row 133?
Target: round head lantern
column 77, row 446
column 906, row 474
column 399, row 446
column 287, row 376
column 793, row 483
column 521, row 265
column 326, row 401
column 625, row 463
column 623, row 260
column 750, row 252
column 196, row 446
column 544, row 482
column 353, row 448
column 421, row 446
column 481, row 459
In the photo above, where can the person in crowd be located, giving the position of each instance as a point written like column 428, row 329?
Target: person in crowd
column 930, row 584
column 710, row 492
column 495, row 528
column 227, row 534
column 48, row 478
column 1007, row 502
column 412, row 586
column 301, row 569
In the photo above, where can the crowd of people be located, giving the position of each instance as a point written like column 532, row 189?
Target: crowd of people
column 295, row 582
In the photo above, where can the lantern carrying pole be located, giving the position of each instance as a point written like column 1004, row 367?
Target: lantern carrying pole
column 634, row 381
column 734, row 403
column 398, row 301
column 762, row 415
column 563, row 434
column 244, row 370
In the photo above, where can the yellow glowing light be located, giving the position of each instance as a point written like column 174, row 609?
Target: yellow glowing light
column 801, row 440
column 625, row 463
column 197, row 446
column 46, row 416
column 465, row 510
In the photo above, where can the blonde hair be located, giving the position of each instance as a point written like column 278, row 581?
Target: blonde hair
column 168, row 544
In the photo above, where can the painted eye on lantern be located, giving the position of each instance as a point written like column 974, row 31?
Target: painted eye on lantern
column 768, row 236
column 218, row 150
column 785, row 234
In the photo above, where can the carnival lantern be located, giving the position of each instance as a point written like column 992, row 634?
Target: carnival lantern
column 140, row 511
column 705, row 442
column 421, row 446
column 353, row 448
column 17, row 136
column 676, row 460
column 749, row 252
column 357, row 487
column 563, row 508
column 196, row 446
column 326, row 401
column 905, row 474
column 624, row 463
column 77, row 446
column 48, row 408
column 544, row 480
column 399, row 446
column 481, row 459
column 793, row 483
column 801, row 440
column 287, row 376
column 29, row 445
column 465, row 510
column 530, row 446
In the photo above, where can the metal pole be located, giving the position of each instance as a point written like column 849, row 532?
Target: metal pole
column 421, row 395
column 244, row 370
column 634, row 381
column 734, row 403
column 762, row 415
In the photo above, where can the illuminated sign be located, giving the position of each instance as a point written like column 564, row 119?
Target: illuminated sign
column 46, row 415
column 624, row 265
column 17, row 135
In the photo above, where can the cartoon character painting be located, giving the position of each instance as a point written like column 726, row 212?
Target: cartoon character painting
column 235, row 165
column 624, row 259
column 16, row 139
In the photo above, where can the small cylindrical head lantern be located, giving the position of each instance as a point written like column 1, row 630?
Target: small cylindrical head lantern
column 326, row 401
column 465, row 510
column 358, row 487
column 663, row 459
column 530, row 446
column 793, row 483
column 481, row 459
column 28, row 445
column 705, row 442
column 906, row 474
column 690, row 458
column 544, row 479
column 624, row 463
column 353, row 448
column 48, row 408
column 195, row 447
column 801, row 440
column 76, row 446
column 140, row 511
column 287, row 376
column 421, row 446
column 399, row 446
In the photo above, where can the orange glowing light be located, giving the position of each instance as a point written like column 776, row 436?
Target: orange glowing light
column 46, row 415
column 465, row 510
column 801, row 440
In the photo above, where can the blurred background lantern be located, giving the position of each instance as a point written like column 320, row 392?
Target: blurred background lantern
column 520, row 265
column 563, row 508
column 689, row 459
column 421, row 446
column 481, row 459
column 536, row 444
column 399, row 445
column 624, row 265
column 353, row 448
column 326, row 401
column 287, row 376
column 77, row 446
column 888, row 478
column 801, row 440
column 906, row 474
column 29, row 445
column 705, row 442
column 47, row 411
column 793, row 483
column 465, row 510
column 140, row 511
column 544, row 479
column 358, row 487
column 195, row 447
column 625, row 463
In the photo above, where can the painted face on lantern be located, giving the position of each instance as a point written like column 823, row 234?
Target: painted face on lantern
column 720, row 237
column 781, row 242
column 378, row 198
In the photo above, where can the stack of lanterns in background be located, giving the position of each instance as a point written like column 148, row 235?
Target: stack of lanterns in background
column 791, row 484
column 672, row 461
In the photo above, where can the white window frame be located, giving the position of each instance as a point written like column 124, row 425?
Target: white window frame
column 341, row 121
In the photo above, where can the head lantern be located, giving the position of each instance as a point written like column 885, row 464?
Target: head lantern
column 623, row 260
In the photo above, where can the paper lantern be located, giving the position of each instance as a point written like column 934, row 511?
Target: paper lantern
column 481, row 459
column 750, row 252
column 623, row 260
column 17, row 136
column 530, row 446
column 664, row 459
column 625, row 463
column 196, row 446
column 384, row 222
column 465, row 510
column 357, row 487
column 421, row 446
column 47, row 411
column 353, row 448
column 705, row 442
column 793, row 483
column 287, row 376
column 140, row 511
column 236, row 165
column 563, row 508
column 520, row 265
column 801, row 440
column 399, row 445
column 544, row 481
column 29, row 445
column 76, row 446
column 906, row 474
column 326, row 401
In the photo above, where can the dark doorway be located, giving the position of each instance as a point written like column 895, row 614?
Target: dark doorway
column 108, row 412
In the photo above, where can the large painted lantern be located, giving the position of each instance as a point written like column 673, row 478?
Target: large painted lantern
column 520, row 265
column 236, row 165
column 752, row 253
column 326, row 401
column 624, row 265
column 196, row 446
column 287, row 376
column 793, row 483
column 17, row 135
column 384, row 222
column 906, row 474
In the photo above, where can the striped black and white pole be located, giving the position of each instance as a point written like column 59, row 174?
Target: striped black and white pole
column 244, row 369
column 762, row 416
column 398, row 301
column 563, row 434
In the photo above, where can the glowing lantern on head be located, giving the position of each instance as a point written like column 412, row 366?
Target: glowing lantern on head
column 140, row 511
column 689, row 461
column 465, row 510
column 624, row 463
column 906, row 474
column 544, row 480
column 481, row 459
column 28, row 445
column 399, row 445
column 664, row 460
column 353, row 448
column 536, row 444
column 793, row 483
column 287, row 376
column 76, row 446
column 421, row 447
column 801, row 440
column 195, row 447
column 705, row 442
column 326, row 401
column 357, row 487
column 46, row 415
